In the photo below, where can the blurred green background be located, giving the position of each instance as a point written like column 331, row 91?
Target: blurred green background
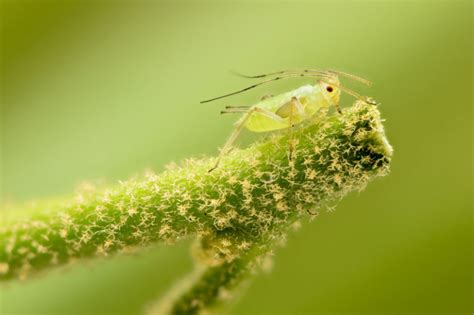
column 104, row 90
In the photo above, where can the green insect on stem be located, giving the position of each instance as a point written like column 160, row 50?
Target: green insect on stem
column 286, row 110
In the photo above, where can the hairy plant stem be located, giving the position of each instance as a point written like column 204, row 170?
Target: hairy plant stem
column 237, row 212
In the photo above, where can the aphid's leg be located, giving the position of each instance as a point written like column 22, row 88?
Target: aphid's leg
column 291, row 110
column 298, row 106
column 290, row 131
column 338, row 108
column 240, row 126
column 295, row 106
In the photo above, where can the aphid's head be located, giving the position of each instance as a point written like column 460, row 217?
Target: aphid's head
column 330, row 89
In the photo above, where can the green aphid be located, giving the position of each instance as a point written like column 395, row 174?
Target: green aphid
column 286, row 110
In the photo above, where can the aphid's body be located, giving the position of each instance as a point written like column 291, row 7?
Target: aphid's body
column 286, row 110
column 311, row 97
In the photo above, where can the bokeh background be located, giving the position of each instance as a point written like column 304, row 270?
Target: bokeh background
column 102, row 90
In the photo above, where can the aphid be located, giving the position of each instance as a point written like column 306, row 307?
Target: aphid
column 286, row 110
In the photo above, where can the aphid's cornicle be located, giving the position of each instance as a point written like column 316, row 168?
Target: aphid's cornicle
column 285, row 110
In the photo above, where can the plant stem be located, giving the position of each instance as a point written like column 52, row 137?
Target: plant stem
column 237, row 212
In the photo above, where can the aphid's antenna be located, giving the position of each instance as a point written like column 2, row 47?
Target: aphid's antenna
column 270, row 80
column 351, row 76
column 323, row 72
column 352, row 93
column 290, row 71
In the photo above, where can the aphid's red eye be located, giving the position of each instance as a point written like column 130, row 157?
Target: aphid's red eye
column 329, row 89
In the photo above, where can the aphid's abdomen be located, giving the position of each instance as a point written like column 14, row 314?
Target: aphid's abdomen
column 309, row 96
column 261, row 123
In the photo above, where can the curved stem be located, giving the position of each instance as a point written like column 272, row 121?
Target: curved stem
column 245, row 205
